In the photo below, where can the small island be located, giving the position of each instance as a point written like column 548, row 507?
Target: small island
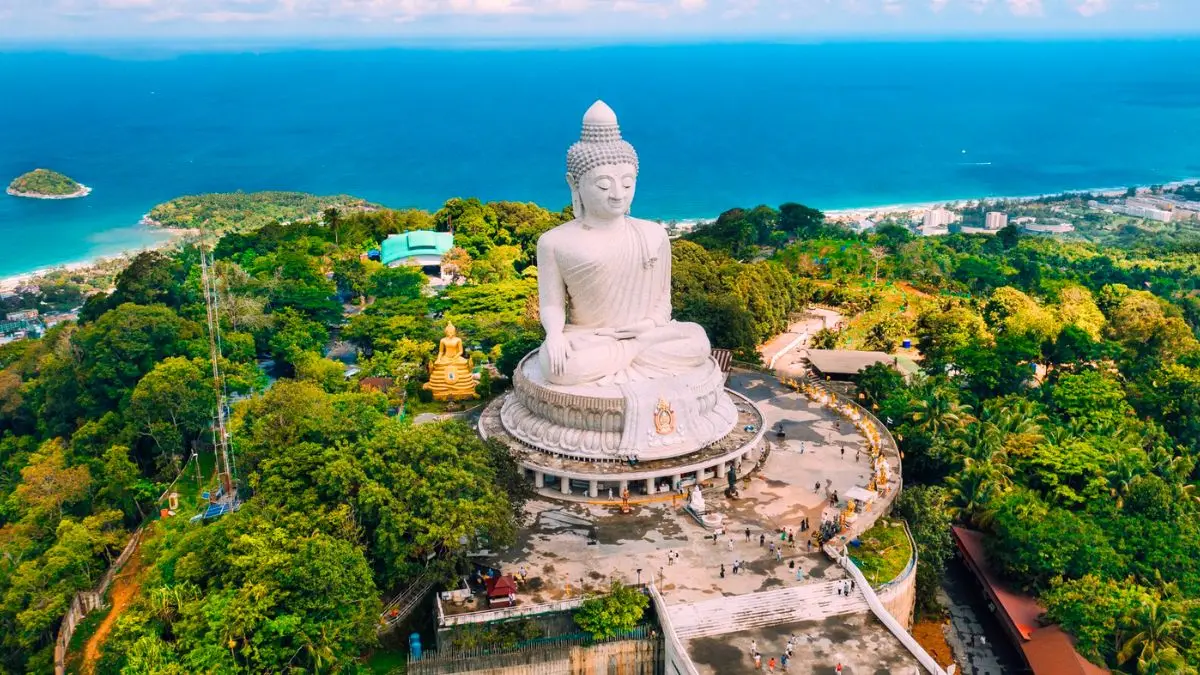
column 47, row 184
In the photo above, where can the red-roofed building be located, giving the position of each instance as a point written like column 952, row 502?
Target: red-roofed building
column 1047, row 650
column 501, row 591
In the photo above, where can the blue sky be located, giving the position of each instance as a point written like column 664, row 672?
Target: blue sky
column 59, row 20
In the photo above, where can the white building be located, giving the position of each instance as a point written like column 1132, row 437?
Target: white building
column 1146, row 212
column 979, row 230
column 938, row 218
column 995, row 220
column 1048, row 228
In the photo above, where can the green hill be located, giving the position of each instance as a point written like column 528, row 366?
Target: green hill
column 240, row 211
column 45, row 183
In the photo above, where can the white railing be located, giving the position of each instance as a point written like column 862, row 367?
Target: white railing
column 888, row 620
column 676, row 655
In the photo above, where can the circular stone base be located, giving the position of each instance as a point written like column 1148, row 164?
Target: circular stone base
column 574, row 478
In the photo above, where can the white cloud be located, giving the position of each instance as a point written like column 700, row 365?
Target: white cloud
column 692, row 5
column 1025, row 7
column 1091, row 7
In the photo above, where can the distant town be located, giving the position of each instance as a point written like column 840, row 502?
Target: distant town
column 1104, row 216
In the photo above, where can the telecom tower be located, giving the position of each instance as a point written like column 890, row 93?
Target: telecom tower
column 226, row 497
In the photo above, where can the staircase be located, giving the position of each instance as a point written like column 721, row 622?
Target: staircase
column 807, row 602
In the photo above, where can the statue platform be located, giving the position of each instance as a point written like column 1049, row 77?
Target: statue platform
column 576, row 477
column 641, row 421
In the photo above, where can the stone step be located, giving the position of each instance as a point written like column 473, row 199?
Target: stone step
column 807, row 602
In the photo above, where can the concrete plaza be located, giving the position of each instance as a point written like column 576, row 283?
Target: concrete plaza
column 569, row 547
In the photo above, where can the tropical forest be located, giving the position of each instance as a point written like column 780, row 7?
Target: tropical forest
column 1057, row 410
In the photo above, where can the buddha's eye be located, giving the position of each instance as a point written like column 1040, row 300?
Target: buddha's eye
column 604, row 183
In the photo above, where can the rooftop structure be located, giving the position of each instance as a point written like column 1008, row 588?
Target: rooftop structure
column 844, row 364
column 1046, row 649
column 422, row 248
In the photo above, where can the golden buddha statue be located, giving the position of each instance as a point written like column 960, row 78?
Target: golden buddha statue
column 450, row 375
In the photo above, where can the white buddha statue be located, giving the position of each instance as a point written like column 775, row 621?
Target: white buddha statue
column 616, row 378
column 604, row 278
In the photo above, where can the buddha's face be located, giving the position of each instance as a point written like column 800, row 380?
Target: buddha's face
column 607, row 191
column 450, row 331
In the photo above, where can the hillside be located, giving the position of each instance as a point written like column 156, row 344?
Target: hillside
column 242, row 211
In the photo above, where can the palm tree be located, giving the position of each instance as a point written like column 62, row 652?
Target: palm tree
column 975, row 488
column 939, row 413
column 1154, row 642
column 1121, row 476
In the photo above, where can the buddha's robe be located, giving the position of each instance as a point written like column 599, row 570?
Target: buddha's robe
column 616, row 277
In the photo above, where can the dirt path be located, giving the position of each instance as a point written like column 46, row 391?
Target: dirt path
column 124, row 588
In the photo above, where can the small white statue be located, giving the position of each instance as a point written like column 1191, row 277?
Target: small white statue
column 696, row 501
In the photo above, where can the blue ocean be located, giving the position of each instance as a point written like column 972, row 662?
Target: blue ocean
column 832, row 125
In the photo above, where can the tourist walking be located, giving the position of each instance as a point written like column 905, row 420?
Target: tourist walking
column 731, row 543
column 753, row 646
column 857, row 454
column 779, row 554
column 843, row 452
column 791, row 539
column 771, row 665
column 762, row 540
column 783, row 660
column 757, row 661
column 799, row 573
column 747, row 534
column 722, row 570
column 816, row 487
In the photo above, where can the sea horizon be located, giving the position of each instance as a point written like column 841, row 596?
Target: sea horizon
column 835, row 125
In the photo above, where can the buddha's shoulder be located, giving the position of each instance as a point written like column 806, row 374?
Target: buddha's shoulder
column 559, row 233
column 649, row 228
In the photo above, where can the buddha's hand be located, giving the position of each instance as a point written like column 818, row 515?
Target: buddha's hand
column 556, row 353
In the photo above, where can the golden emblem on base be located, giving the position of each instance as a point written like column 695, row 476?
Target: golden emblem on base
column 450, row 375
column 664, row 418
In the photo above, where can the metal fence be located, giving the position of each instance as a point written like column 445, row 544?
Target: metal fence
column 636, row 652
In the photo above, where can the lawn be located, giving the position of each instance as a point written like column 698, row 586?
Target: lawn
column 884, row 553
column 388, row 662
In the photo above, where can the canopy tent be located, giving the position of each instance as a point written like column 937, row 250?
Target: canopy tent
column 860, row 494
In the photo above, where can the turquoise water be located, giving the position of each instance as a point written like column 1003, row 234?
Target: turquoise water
column 831, row 125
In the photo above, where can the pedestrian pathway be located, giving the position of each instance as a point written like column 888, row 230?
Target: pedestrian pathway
column 807, row 602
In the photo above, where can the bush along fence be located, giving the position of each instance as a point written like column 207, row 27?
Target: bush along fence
column 86, row 601
column 637, row 652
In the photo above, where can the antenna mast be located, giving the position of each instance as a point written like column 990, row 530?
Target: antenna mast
column 225, row 471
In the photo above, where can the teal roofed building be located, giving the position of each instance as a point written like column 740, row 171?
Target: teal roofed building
column 422, row 248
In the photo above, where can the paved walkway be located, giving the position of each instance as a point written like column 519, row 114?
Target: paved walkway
column 974, row 634
column 803, row 330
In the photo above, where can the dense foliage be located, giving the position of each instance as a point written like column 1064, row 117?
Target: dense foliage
column 240, row 211
column 1056, row 411
column 44, row 182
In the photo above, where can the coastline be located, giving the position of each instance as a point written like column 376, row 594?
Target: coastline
column 12, row 282
column 83, row 191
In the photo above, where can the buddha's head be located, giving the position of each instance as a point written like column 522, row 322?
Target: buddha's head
column 450, row 330
column 601, row 167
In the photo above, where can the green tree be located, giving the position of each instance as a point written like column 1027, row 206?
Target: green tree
column 926, row 508
column 397, row 282
column 173, row 405
column 614, row 613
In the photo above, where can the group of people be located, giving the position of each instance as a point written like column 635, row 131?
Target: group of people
column 784, row 658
